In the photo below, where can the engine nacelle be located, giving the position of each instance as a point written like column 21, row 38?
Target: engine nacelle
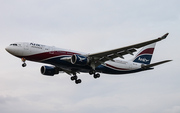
column 49, row 70
column 79, row 60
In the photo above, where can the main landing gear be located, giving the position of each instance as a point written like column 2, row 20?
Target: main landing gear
column 95, row 75
column 75, row 77
column 23, row 60
column 78, row 81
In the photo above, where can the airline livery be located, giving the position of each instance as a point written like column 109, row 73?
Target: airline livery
column 73, row 62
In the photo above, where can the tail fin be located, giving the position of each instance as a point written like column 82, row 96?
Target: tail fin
column 145, row 54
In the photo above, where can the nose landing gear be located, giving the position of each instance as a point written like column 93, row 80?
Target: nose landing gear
column 23, row 60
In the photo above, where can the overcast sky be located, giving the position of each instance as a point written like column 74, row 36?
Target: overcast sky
column 90, row 26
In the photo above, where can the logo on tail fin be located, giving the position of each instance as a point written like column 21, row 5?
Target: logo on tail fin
column 145, row 54
column 143, row 59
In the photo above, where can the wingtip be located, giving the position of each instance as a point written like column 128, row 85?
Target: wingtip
column 165, row 61
column 164, row 36
column 169, row 60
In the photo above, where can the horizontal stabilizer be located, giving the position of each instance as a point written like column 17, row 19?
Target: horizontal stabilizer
column 154, row 64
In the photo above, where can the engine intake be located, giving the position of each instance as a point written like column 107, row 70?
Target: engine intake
column 49, row 70
column 79, row 60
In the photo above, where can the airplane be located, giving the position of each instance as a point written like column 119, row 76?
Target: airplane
column 73, row 62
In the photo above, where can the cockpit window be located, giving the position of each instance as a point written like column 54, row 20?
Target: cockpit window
column 13, row 44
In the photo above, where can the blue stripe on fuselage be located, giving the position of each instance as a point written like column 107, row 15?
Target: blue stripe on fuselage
column 101, row 68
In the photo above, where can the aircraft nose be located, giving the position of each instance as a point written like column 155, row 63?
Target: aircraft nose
column 7, row 49
column 10, row 49
column 14, row 50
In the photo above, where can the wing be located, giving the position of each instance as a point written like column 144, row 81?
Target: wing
column 101, row 57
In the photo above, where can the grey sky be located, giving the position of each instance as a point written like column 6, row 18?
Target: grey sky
column 90, row 26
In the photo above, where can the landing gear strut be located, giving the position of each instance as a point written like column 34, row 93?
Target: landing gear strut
column 74, row 77
column 23, row 60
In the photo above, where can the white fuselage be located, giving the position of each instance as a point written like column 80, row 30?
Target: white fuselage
column 50, row 54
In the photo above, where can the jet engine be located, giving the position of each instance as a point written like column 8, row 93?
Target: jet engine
column 49, row 70
column 79, row 60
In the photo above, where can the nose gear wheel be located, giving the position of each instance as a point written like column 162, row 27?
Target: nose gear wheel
column 24, row 65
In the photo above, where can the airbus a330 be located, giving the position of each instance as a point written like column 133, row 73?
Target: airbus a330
column 72, row 62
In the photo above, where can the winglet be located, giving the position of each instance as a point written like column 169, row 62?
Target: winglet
column 164, row 36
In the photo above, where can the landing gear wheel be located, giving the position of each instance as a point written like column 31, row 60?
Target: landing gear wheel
column 91, row 72
column 24, row 65
column 74, row 77
column 96, row 75
column 78, row 81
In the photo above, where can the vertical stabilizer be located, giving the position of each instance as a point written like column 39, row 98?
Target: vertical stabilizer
column 145, row 54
